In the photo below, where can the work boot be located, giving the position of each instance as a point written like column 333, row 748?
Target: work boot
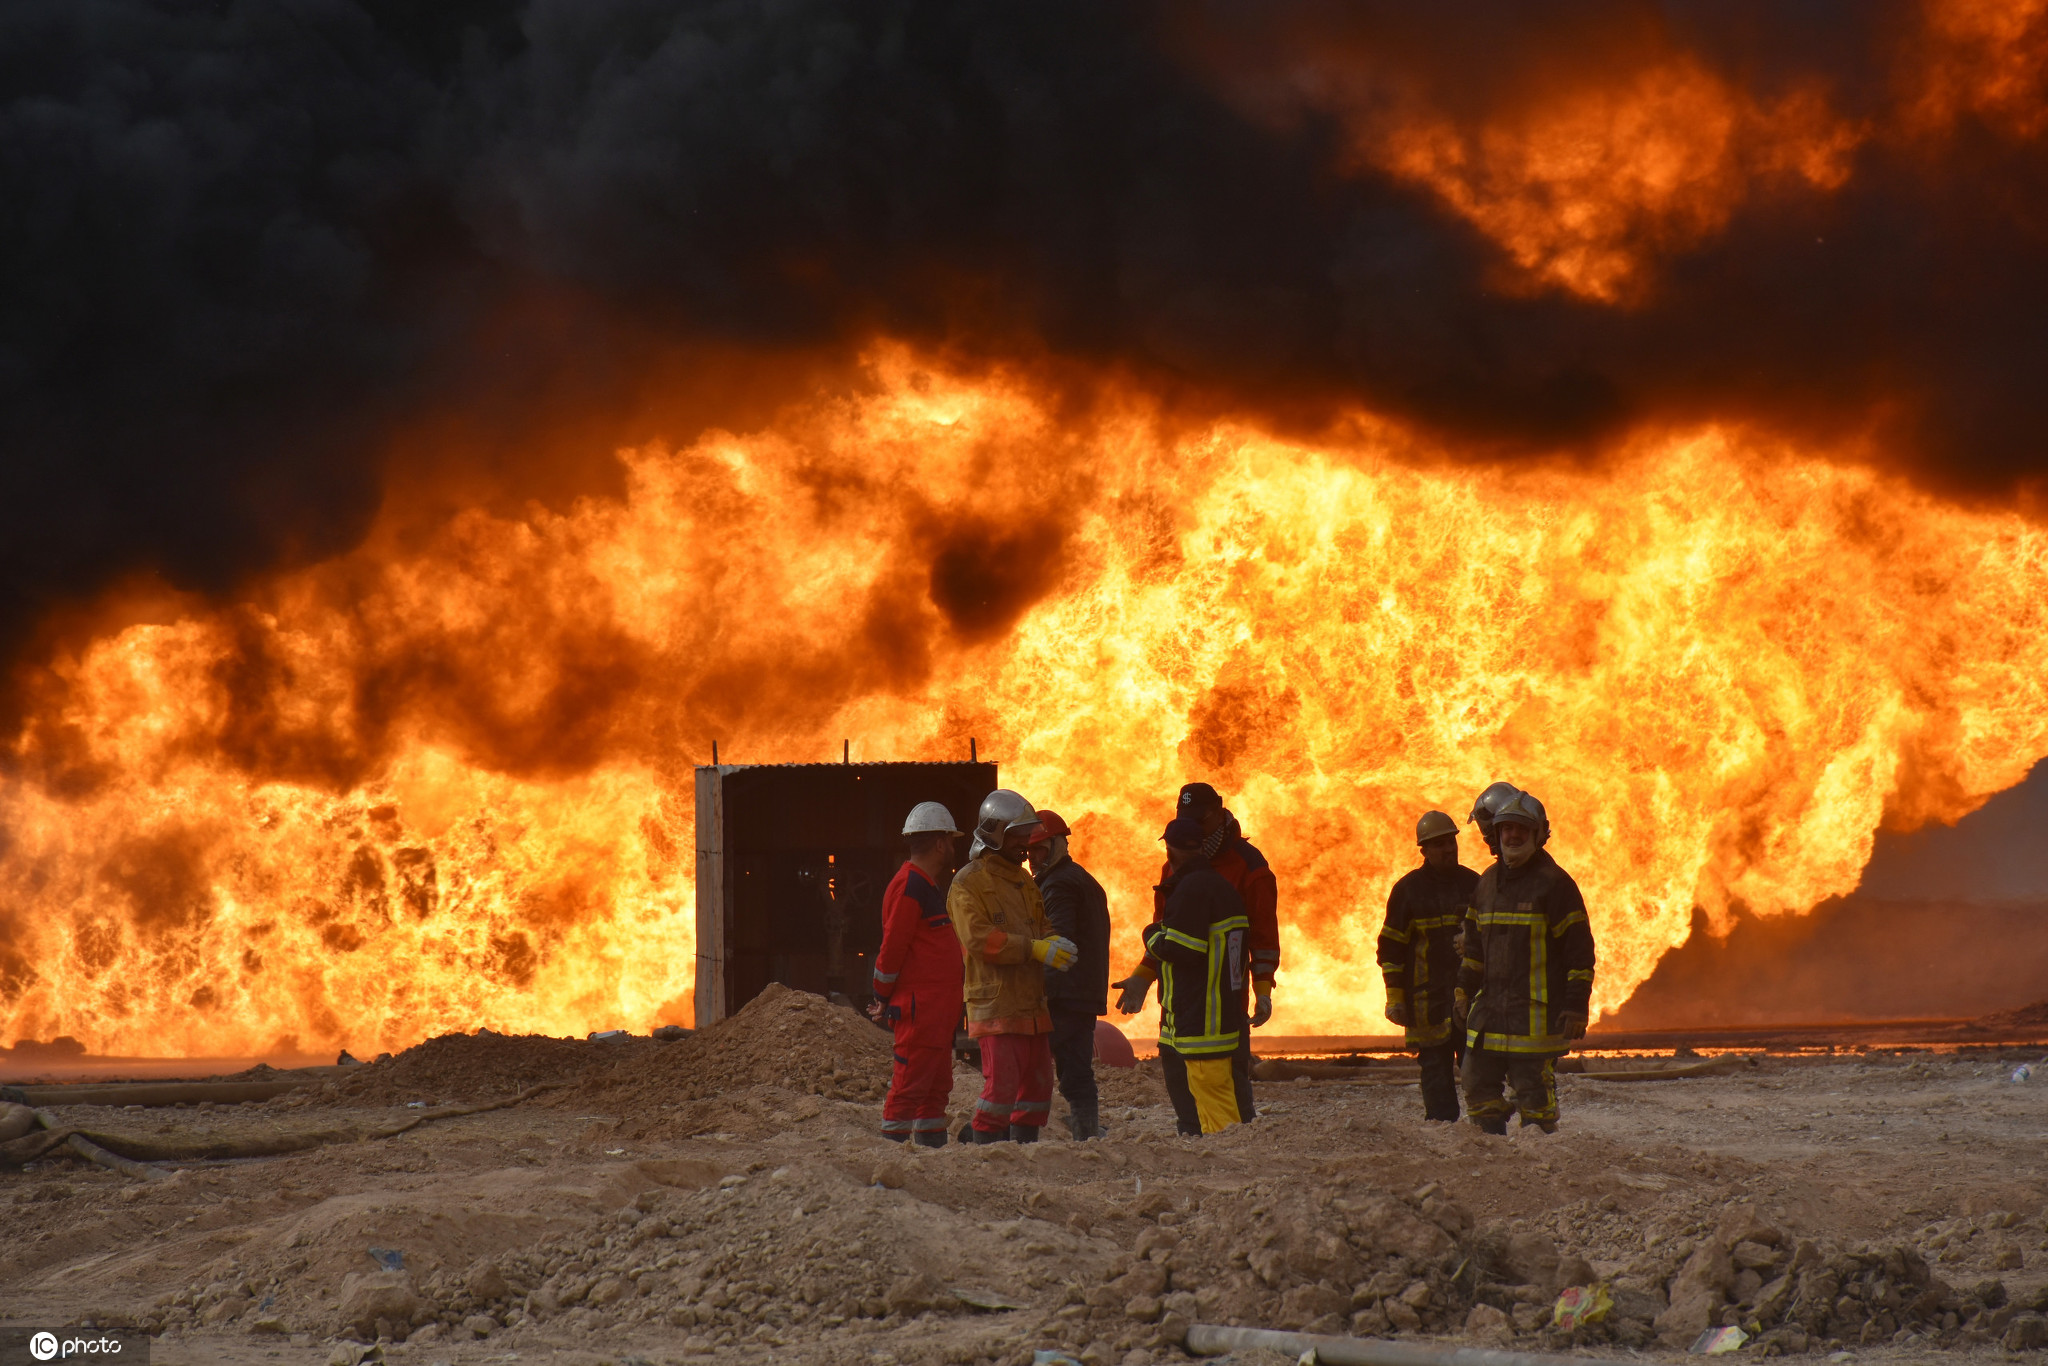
column 1024, row 1133
column 989, row 1135
column 1083, row 1124
column 930, row 1138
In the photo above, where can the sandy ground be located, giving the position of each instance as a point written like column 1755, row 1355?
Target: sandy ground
column 729, row 1199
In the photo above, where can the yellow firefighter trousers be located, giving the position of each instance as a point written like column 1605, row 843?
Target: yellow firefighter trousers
column 1215, row 1092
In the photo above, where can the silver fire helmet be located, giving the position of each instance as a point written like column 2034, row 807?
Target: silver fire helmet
column 1526, row 810
column 1001, row 812
column 1490, row 801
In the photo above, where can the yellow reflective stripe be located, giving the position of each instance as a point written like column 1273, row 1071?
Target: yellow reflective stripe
column 1523, row 1043
column 1539, row 983
column 1434, row 922
column 1510, row 918
column 1435, row 1034
column 1165, row 1002
column 1187, row 941
column 1398, row 936
column 1212, row 1003
column 1579, row 975
column 1200, row 1040
column 1219, row 961
column 1395, row 995
column 1475, row 964
column 1575, row 918
column 1219, row 1047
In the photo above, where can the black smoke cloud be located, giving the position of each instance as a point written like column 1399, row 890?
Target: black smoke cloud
column 240, row 243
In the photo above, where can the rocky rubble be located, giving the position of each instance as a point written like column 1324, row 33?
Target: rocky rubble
column 1795, row 1295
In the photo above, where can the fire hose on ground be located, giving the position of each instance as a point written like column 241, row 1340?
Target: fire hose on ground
column 128, row 1153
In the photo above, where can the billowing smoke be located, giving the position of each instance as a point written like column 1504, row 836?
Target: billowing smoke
column 241, row 243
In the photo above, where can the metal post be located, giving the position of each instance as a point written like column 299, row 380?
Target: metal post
column 713, row 896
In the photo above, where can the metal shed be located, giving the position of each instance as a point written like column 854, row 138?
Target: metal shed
column 792, row 861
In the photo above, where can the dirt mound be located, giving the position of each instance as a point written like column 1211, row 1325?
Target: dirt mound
column 783, row 1037
column 2034, row 1016
column 482, row 1066
column 1141, row 1085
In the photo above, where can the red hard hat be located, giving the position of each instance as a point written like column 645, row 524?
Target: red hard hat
column 1049, row 824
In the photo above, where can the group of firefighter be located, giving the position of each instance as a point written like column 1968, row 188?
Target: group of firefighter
column 1489, row 974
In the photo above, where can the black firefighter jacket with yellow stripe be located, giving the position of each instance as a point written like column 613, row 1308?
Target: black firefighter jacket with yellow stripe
column 1416, row 950
column 1528, row 957
column 1199, row 941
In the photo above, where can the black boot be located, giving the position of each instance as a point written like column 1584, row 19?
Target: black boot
column 986, row 1136
column 1083, row 1122
column 930, row 1138
column 1024, row 1133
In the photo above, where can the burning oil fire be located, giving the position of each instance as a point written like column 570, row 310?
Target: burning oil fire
column 444, row 781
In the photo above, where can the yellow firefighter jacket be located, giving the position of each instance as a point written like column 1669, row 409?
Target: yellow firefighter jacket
column 997, row 912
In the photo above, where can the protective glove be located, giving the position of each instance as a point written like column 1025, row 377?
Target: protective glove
column 1460, row 1008
column 1056, row 953
column 1571, row 1026
column 1398, row 1014
column 1262, row 1005
column 1133, row 990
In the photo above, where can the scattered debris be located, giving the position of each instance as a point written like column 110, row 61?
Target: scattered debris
column 1581, row 1305
column 1716, row 1341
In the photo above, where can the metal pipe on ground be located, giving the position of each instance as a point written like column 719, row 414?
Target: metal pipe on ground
column 156, row 1092
column 1210, row 1340
column 93, row 1152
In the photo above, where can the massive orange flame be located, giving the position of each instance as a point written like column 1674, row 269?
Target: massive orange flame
column 1586, row 191
column 443, row 782
column 1590, row 174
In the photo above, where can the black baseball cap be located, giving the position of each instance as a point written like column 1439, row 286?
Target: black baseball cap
column 1198, row 797
column 1183, row 832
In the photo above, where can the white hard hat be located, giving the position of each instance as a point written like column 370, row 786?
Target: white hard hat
column 929, row 818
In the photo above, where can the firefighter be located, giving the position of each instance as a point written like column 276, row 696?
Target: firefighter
column 1240, row 863
column 1199, row 943
column 1526, row 985
column 1419, row 959
column 1077, row 910
column 1489, row 802
column 1000, row 920
column 917, row 980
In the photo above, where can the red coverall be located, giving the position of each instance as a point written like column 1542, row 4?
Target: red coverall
column 917, row 978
